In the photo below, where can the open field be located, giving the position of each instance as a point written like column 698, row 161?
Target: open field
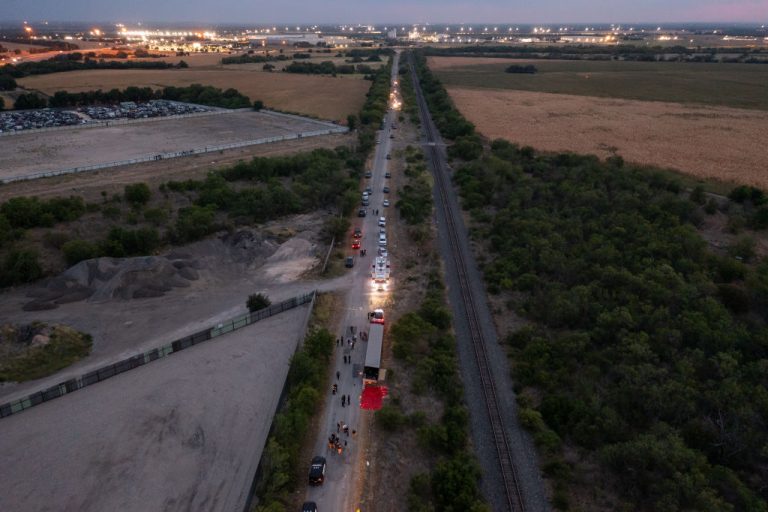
column 322, row 96
column 730, row 85
column 78, row 147
column 708, row 142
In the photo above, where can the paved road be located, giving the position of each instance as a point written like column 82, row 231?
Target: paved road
column 345, row 473
column 523, row 451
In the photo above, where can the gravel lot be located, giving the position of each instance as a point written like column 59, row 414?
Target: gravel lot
column 183, row 433
column 32, row 153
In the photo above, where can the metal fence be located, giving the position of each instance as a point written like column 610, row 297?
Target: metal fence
column 129, row 363
column 175, row 154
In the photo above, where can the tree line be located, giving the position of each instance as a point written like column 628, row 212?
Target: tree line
column 195, row 93
column 646, row 351
column 58, row 65
column 327, row 68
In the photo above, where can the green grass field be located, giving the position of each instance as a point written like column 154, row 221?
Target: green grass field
column 730, row 85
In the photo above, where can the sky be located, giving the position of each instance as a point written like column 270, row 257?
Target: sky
column 394, row 11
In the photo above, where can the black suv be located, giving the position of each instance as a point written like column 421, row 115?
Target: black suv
column 309, row 506
column 317, row 471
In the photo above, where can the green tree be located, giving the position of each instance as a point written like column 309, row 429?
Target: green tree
column 7, row 82
column 258, row 105
column 352, row 121
column 336, row 227
column 29, row 101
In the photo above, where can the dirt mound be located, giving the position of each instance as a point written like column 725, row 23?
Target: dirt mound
column 103, row 279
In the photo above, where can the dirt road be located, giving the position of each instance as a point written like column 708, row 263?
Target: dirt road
column 346, row 472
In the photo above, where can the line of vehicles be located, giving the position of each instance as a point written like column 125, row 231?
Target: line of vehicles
column 380, row 279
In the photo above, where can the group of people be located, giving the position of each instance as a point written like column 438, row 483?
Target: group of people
column 335, row 440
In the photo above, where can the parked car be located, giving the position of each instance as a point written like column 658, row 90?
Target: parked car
column 368, row 189
column 386, row 190
column 361, row 212
column 387, row 174
column 317, row 471
column 309, row 506
column 358, row 233
column 386, row 202
column 389, row 157
column 349, row 263
column 382, row 222
column 368, row 174
column 355, row 243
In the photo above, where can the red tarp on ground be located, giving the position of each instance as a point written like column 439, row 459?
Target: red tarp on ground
column 372, row 397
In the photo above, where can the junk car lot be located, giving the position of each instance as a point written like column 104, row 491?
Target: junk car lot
column 16, row 121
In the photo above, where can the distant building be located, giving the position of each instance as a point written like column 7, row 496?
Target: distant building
column 392, row 34
column 306, row 39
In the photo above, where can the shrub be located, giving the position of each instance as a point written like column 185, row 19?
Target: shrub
column 195, row 222
column 111, row 212
column 76, row 251
column 390, row 418
column 126, row 242
column 156, row 216
column 137, row 194
column 20, row 266
column 257, row 301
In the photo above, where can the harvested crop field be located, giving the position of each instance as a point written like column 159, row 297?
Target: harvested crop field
column 729, row 85
column 321, row 96
column 708, row 142
column 30, row 153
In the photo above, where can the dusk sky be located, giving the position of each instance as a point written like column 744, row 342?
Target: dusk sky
column 396, row 11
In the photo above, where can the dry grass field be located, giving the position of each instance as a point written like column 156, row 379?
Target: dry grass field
column 728, row 85
column 322, row 96
column 708, row 142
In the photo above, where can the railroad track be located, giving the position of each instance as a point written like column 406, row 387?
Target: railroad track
column 513, row 494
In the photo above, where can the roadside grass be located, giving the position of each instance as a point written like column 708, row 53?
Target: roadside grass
column 66, row 347
column 326, row 306
column 730, row 85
